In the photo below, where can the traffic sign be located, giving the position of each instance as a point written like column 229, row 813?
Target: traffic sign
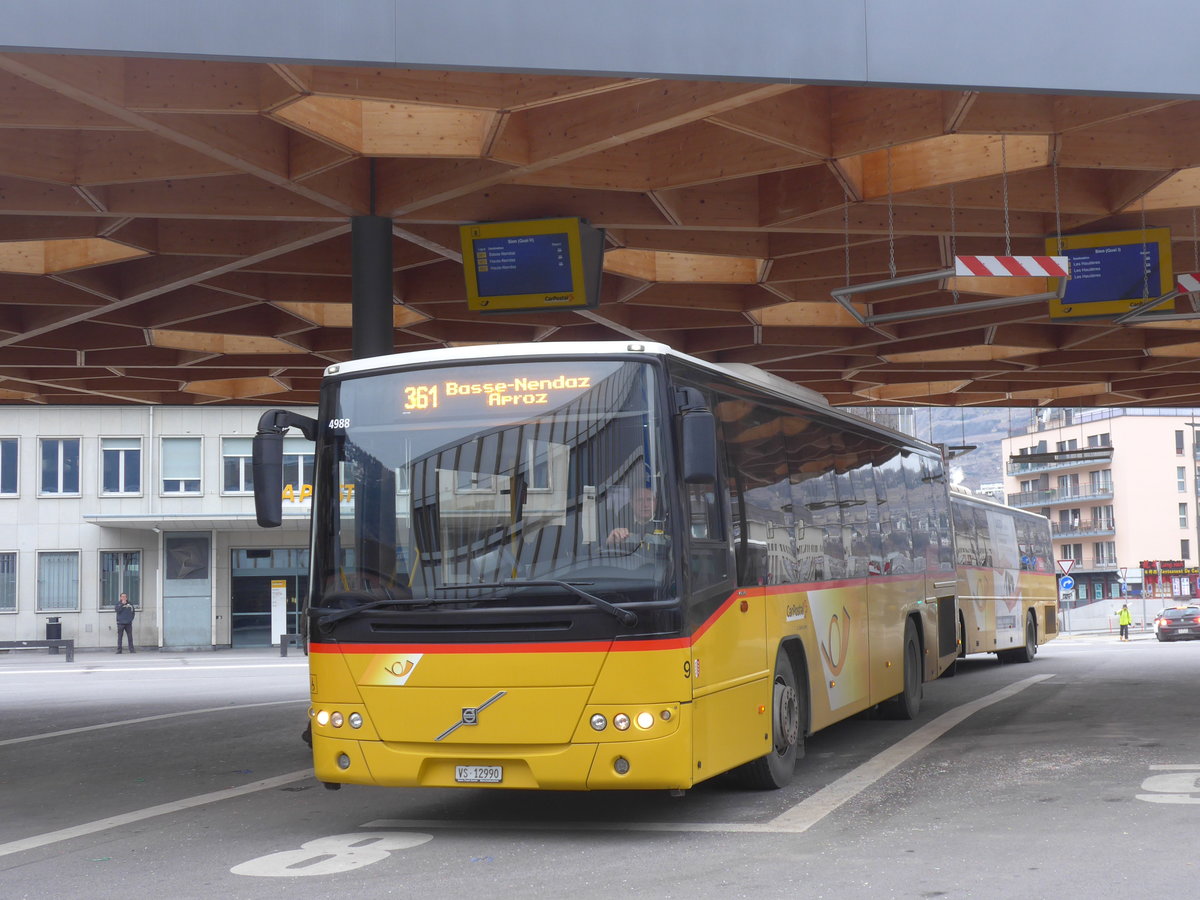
column 1066, row 583
column 1122, row 572
column 1066, row 565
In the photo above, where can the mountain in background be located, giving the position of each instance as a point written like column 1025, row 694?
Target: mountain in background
column 984, row 428
column 981, row 427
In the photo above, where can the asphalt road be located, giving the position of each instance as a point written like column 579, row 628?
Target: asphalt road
column 183, row 775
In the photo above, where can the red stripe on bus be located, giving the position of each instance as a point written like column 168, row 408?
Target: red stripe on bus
column 605, row 645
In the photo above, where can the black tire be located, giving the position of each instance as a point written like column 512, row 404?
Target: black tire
column 1029, row 651
column 1160, row 638
column 907, row 704
column 788, row 718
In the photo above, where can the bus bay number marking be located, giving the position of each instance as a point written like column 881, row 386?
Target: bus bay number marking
column 331, row 855
column 1173, row 787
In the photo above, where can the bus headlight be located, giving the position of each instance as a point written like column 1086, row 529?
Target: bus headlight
column 599, row 722
column 621, row 722
column 355, row 720
column 336, row 720
column 645, row 720
column 323, row 718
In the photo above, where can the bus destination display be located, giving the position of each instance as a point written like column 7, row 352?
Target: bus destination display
column 497, row 394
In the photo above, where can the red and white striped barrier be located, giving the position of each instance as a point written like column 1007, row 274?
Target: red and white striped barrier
column 1005, row 266
column 1188, row 282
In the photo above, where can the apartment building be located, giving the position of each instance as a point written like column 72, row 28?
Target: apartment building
column 155, row 502
column 1119, row 487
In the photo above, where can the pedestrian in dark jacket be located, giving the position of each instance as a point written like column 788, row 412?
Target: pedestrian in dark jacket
column 125, row 614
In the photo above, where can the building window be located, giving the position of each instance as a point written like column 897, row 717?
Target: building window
column 236, row 465
column 120, row 573
column 1179, row 443
column 60, row 465
column 181, row 465
column 58, row 581
column 1185, row 548
column 297, row 462
column 1101, row 481
column 1183, row 515
column 1180, row 479
column 121, row 465
column 1098, row 440
column 8, row 467
column 8, row 582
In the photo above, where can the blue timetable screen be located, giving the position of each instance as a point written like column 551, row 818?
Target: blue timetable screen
column 529, row 264
column 1121, row 272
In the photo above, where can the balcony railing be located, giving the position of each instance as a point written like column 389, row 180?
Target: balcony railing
column 1060, row 459
column 1028, row 499
column 1082, row 528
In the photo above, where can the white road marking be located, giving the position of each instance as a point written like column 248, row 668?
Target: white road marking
column 66, row 834
column 174, row 715
column 104, row 670
column 813, row 809
column 799, row 818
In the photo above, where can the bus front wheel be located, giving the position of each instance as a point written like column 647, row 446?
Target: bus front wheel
column 775, row 769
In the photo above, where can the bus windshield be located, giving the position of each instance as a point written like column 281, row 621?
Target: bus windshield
column 519, row 483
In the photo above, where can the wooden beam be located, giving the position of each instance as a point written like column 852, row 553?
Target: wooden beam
column 798, row 120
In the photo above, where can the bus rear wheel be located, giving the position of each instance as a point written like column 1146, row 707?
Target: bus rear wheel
column 775, row 769
column 907, row 704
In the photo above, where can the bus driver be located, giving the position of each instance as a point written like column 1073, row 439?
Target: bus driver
column 643, row 527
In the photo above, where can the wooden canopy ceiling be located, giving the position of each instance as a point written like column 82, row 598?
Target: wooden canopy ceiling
column 177, row 231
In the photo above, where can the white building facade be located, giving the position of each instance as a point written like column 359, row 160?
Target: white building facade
column 155, row 502
column 1119, row 487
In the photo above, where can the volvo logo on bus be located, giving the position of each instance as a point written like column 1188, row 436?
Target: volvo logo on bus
column 470, row 715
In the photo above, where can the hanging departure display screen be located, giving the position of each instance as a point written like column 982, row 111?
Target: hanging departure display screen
column 1113, row 272
column 532, row 265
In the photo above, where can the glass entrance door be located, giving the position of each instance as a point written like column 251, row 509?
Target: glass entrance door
column 254, row 573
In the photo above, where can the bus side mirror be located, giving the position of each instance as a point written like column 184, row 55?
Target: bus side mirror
column 698, row 443
column 268, row 478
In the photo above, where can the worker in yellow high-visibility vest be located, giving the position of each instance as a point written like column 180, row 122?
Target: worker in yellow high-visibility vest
column 1125, row 620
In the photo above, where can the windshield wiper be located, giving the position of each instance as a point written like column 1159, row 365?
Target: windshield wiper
column 627, row 617
column 339, row 614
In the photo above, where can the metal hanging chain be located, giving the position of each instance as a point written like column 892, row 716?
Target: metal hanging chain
column 846, row 231
column 953, row 242
column 1195, row 244
column 1145, row 256
column 891, row 224
column 1004, row 187
column 1057, row 204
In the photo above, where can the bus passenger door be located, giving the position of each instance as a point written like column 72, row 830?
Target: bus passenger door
column 728, row 666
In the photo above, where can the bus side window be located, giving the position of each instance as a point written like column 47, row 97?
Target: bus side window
column 703, row 519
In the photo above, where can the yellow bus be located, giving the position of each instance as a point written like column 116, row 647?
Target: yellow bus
column 605, row 566
column 1007, row 589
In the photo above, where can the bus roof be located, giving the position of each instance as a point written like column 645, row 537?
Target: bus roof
column 482, row 352
column 958, row 492
column 742, row 372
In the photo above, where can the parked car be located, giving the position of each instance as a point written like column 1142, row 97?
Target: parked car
column 1178, row 623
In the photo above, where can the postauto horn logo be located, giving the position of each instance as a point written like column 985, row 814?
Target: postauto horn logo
column 401, row 667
